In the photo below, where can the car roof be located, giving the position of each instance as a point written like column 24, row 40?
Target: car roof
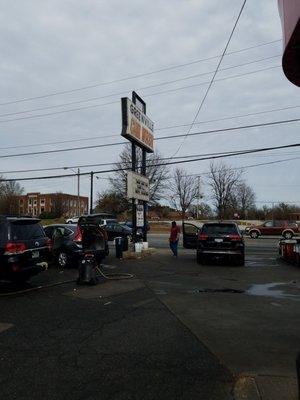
column 8, row 218
column 220, row 223
column 61, row 225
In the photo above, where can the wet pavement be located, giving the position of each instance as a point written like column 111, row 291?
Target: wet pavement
column 179, row 330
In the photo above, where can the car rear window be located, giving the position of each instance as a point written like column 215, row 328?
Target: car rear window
column 218, row 229
column 3, row 232
column 26, row 231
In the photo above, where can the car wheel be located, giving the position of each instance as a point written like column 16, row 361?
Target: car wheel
column 240, row 260
column 288, row 235
column 254, row 234
column 199, row 258
column 62, row 259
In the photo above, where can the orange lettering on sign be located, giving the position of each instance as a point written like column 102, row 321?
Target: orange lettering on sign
column 135, row 129
column 147, row 138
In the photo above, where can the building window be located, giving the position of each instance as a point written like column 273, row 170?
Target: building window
column 21, row 201
column 42, row 209
column 42, row 202
column 35, row 202
column 30, row 201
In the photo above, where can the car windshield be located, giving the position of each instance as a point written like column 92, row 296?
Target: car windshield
column 26, row 231
column 219, row 229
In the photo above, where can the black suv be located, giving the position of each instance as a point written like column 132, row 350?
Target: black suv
column 24, row 248
column 215, row 240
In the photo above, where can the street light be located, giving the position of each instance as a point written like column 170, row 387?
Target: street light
column 78, row 188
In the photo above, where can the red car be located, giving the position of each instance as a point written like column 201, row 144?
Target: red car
column 287, row 229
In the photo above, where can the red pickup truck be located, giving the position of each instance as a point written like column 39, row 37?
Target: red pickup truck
column 287, row 229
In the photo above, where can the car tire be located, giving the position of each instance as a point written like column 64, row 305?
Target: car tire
column 240, row 260
column 199, row 258
column 288, row 235
column 62, row 259
column 254, row 234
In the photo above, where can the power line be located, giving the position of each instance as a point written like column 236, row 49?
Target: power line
column 159, row 138
column 157, row 129
column 212, row 79
column 138, row 89
column 109, row 163
column 252, row 165
column 146, row 95
column 239, row 152
column 132, row 76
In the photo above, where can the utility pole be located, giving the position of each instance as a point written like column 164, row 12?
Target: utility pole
column 78, row 193
column 198, row 197
column 92, row 190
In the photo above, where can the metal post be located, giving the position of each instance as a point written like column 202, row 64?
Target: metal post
column 92, row 189
column 133, row 168
column 144, row 160
column 78, row 193
column 198, row 197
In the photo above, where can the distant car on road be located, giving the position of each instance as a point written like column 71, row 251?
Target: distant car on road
column 72, row 220
column 287, row 229
column 24, row 248
column 66, row 250
column 215, row 240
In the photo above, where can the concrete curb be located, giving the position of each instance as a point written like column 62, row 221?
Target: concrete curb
column 245, row 388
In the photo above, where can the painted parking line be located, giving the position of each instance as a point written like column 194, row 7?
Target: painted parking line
column 4, row 326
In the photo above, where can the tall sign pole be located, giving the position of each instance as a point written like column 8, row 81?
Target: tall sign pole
column 138, row 128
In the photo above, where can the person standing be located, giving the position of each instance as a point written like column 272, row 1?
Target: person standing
column 174, row 238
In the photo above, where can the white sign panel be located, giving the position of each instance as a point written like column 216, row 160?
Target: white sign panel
column 136, row 125
column 140, row 216
column 137, row 186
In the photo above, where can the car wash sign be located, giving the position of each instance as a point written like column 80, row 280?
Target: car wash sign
column 137, row 186
column 137, row 126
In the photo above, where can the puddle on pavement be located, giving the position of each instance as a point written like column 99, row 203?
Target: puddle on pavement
column 269, row 290
column 222, row 290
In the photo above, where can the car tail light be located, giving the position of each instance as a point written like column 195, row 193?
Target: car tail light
column 49, row 244
column 78, row 235
column 202, row 236
column 12, row 248
column 234, row 237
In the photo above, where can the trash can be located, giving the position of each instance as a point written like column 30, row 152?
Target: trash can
column 125, row 243
column 119, row 247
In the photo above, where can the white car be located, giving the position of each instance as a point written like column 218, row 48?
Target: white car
column 72, row 220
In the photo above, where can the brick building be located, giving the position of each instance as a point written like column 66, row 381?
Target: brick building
column 66, row 204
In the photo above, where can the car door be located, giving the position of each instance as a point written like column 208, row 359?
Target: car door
column 268, row 228
column 190, row 235
column 58, row 238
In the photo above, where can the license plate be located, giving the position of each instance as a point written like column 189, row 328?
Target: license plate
column 219, row 240
column 35, row 254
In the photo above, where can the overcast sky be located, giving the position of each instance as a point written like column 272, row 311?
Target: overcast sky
column 54, row 46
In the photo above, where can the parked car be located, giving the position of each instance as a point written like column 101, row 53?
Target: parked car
column 114, row 229
column 66, row 248
column 24, row 248
column 129, row 224
column 93, row 221
column 287, row 229
column 215, row 240
column 72, row 220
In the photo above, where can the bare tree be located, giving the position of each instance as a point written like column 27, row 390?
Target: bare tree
column 59, row 205
column 156, row 171
column 223, row 180
column 9, row 197
column 245, row 199
column 183, row 191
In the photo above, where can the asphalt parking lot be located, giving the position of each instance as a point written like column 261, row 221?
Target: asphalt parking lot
column 176, row 331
